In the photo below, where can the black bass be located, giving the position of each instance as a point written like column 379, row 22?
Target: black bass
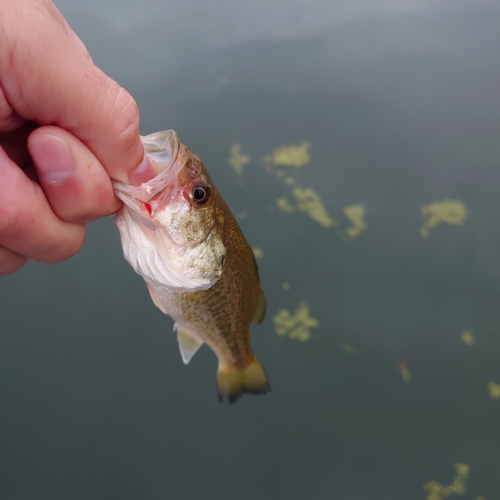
column 178, row 233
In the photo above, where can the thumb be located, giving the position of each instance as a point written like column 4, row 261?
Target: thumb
column 47, row 78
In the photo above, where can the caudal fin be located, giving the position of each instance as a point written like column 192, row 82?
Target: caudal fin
column 232, row 381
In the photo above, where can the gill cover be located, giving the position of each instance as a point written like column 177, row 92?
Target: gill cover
column 169, row 243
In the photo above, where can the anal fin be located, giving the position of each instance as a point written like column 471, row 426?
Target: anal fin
column 188, row 344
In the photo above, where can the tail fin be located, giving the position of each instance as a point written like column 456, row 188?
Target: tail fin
column 233, row 381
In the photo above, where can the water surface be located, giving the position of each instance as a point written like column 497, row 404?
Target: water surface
column 401, row 106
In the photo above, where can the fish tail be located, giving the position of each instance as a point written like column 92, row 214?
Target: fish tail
column 233, row 381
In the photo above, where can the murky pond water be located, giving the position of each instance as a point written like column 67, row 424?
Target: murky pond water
column 358, row 148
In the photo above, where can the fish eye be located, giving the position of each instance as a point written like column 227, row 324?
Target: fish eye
column 200, row 193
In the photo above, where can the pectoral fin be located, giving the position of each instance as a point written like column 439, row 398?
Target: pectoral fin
column 155, row 298
column 260, row 311
column 188, row 344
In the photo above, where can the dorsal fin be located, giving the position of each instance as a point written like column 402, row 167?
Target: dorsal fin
column 188, row 344
column 260, row 310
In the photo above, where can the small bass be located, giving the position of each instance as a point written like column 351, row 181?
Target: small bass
column 178, row 233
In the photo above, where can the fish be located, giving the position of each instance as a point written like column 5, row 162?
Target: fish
column 178, row 233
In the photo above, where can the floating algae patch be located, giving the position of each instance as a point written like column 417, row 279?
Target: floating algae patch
column 438, row 491
column 348, row 348
column 355, row 214
column 467, row 337
column 308, row 201
column 237, row 160
column 293, row 155
column 494, row 390
column 296, row 325
column 404, row 369
column 284, row 205
column 258, row 252
column 452, row 212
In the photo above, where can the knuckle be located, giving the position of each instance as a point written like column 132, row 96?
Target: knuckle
column 118, row 146
column 126, row 123
column 74, row 244
column 9, row 119
column 63, row 250
column 12, row 217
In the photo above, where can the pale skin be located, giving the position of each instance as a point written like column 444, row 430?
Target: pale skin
column 66, row 130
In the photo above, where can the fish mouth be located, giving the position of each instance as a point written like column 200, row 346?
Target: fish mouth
column 162, row 150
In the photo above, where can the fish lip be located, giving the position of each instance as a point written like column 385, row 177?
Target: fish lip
column 162, row 149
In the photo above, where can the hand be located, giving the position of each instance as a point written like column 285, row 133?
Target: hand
column 66, row 129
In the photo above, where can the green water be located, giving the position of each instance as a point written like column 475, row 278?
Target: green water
column 401, row 106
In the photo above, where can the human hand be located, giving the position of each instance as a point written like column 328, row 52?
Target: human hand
column 66, row 129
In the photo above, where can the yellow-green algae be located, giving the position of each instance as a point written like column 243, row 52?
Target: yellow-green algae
column 355, row 214
column 308, row 201
column 438, row 491
column 404, row 369
column 494, row 390
column 296, row 325
column 348, row 348
column 237, row 160
column 468, row 337
column 284, row 205
column 452, row 212
column 292, row 155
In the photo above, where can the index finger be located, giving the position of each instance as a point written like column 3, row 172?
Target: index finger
column 47, row 78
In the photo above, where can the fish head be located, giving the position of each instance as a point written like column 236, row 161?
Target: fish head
column 171, row 228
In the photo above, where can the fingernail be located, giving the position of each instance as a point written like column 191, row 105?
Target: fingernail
column 53, row 159
column 143, row 173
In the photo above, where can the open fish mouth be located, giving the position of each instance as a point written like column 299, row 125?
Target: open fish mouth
column 162, row 149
